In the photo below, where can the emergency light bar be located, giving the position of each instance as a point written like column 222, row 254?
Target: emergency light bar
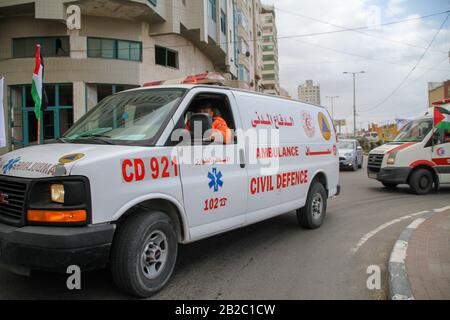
column 212, row 78
column 439, row 103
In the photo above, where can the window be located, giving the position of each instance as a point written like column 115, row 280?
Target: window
column 212, row 9
column 166, row 57
column 50, row 47
column 268, row 48
column 269, row 76
column 153, row 2
column 268, row 38
column 268, row 57
column 221, row 108
column 268, row 67
column 114, row 49
column 268, row 19
column 223, row 22
column 56, row 115
column 244, row 74
column 242, row 20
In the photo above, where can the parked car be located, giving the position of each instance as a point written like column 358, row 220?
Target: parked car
column 350, row 154
column 117, row 189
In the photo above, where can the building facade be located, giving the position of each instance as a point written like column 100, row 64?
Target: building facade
column 438, row 91
column 309, row 92
column 119, row 45
column 270, row 69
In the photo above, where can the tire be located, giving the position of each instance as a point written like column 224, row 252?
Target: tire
column 306, row 216
column 389, row 185
column 150, row 231
column 361, row 164
column 421, row 181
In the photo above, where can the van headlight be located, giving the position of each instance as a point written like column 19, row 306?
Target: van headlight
column 57, row 192
column 391, row 158
column 59, row 201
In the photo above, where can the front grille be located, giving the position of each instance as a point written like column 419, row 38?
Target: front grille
column 12, row 200
column 374, row 163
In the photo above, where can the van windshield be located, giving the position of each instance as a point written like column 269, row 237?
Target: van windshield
column 415, row 131
column 127, row 118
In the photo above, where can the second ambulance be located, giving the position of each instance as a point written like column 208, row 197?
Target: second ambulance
column 419, row 156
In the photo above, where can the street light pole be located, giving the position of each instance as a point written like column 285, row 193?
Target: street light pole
column 332, row 104
column 354, row 99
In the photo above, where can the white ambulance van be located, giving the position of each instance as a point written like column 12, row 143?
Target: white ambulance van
column 419, row 156
column 121, row 189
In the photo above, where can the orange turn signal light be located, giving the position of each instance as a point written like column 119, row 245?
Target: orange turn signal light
column 66, row 216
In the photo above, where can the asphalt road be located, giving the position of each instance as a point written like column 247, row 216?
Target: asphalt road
column 274, row 259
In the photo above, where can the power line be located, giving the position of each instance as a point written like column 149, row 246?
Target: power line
column 353, row 30
column 411, row 71
column 313, row 34
column 353, row 54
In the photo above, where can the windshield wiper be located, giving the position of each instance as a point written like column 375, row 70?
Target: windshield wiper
column 92, row 138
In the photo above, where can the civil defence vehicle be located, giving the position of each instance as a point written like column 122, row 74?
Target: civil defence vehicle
column 419, row 156
column 115, row 192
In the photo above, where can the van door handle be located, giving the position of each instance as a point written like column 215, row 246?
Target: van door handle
column 242, row 158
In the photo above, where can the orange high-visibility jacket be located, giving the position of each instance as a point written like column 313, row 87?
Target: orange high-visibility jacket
column 218, row 125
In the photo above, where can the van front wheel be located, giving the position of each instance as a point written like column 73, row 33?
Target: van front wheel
column 311, row 216
column 421, row 181
column 144, row 253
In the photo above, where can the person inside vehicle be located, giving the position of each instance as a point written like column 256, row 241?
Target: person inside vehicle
column 219, row 125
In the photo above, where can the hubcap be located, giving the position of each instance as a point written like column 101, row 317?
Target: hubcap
column 317, row 206
column 423, row 182
column 154, row 254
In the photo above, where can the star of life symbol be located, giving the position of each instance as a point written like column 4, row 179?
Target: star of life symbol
column 9, row 165
column 215, row 179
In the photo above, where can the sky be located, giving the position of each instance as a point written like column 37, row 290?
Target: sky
column 387, row 53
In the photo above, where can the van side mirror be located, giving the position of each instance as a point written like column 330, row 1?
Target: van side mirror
column 199, row 123
column 359, row 148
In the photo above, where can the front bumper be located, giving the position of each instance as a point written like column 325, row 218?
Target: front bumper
column 54, row 248
column 391, row 175
column 346, row 162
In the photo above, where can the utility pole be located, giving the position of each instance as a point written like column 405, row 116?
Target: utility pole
column 332, row 105
column 354, row 98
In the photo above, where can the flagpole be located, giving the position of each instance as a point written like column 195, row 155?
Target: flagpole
column 39, row 130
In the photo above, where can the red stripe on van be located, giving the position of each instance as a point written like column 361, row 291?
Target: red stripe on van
column 401, row 147
column 442, row 161
column 318, row 153
column 422, row 162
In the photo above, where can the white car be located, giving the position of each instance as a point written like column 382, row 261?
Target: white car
column 419, row 156
column 350, row 154
column 121, row 189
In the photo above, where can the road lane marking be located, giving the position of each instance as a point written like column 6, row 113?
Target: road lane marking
column 370, row 234
column 413, row 225
column 416, row 223
column 442, row 209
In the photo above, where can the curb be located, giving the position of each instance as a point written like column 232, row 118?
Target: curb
column 399, row 286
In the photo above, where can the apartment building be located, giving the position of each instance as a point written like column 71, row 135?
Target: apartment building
column 118, row 45
column 270, row 69
column 309, row 92
column 438, row 91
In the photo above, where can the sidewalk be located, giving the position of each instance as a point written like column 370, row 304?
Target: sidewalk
column 428, row 258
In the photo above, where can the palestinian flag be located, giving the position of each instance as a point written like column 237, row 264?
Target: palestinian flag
column 37, row 84
column 441, row 118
